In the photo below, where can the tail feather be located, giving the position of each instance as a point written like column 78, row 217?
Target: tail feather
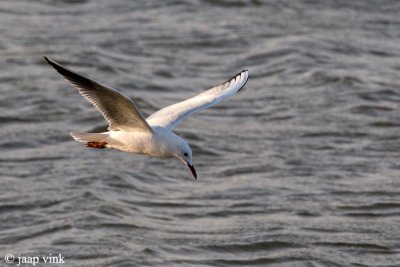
column 89, row 137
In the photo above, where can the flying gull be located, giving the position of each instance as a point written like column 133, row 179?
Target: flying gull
column 129, row 131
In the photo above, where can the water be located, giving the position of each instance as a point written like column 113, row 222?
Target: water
column 299, row 169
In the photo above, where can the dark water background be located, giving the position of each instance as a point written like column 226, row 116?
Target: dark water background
column 302, row 168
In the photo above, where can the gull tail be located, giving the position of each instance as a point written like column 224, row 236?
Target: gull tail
column 94, row 140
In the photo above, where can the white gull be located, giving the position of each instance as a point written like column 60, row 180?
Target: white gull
column 130, row 132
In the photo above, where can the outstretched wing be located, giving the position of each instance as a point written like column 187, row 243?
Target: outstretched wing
column 120, row 111
column 170, row 116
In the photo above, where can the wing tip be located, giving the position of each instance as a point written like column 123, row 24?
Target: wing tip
column 54, row 64
column 76, row 79
column 234, row 77
column 245, row 71
column 244, row 79
column 50, row 61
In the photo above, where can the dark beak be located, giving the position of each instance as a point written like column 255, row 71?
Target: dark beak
column 191, row 167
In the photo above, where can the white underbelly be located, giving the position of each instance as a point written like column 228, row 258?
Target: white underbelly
column 137, row 142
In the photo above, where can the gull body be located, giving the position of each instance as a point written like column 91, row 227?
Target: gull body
column 160, row 142
column 129, row 131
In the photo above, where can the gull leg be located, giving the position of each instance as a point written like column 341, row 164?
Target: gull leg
column 100, row 145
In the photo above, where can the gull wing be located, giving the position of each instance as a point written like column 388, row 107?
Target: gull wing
column 172, row 115
column 119, row 111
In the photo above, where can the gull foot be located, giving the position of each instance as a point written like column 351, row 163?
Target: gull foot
column 100, row 145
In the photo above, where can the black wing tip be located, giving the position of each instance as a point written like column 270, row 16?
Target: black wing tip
column 49, row 60
column 237, row 74
column 247, row 72
column 52, row 63
column 242, row 71
column 62, row 70
column 68, row 74
column 247, row 78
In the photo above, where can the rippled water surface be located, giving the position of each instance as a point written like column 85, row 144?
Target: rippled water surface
column 302, row 168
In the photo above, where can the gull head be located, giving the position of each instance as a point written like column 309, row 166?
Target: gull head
column 184, row 153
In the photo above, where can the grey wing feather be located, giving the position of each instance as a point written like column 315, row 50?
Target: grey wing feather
column 119, row 111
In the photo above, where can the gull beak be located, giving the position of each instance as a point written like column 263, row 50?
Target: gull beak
column 191, row 167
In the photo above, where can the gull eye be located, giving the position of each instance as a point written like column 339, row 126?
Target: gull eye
column 185, row 154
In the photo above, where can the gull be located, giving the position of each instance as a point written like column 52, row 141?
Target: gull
column 129, row 131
